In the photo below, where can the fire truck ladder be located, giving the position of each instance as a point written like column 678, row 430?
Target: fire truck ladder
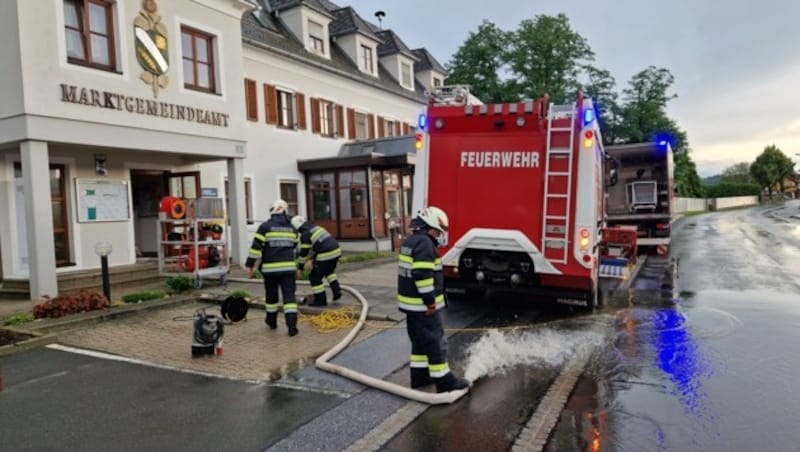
column 558, row 182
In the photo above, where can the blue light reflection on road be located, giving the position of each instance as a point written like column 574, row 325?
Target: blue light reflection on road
column 680, row 359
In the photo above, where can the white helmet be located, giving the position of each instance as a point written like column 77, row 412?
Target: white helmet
column 279, row 206
column 435, row 218
column 298, row 221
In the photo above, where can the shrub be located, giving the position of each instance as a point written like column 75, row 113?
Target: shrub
column 18, row 319
column 70, row 304
column 143, row 296
column 240, row 293
column 360, row 257
column 180, row 284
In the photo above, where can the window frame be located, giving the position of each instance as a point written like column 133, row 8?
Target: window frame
column 366, row 59
column 210, row 39
column 359, row 120
column 294, row 203
column 286, row 102
column 328, row 126
column 248, row 199
column 86, row 33
column 410, row 82
column 316, row 43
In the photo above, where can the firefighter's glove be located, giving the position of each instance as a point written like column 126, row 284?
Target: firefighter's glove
column 299, row 274
column 308, row 265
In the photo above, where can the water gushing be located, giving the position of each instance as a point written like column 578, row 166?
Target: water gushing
column 496, row 352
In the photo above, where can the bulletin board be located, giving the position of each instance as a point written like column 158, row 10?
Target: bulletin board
column 102, row 200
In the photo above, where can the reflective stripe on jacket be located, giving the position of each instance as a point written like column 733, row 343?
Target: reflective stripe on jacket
column 274, row 243
column 420, row 281
column 318, row 243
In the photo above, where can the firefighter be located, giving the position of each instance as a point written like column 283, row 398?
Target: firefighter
column 323, row 250
column 420, row 294
column 274, row 245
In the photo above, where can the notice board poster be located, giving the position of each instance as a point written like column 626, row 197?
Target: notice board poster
column 102, row 200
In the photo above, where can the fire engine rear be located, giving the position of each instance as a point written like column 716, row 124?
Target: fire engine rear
column 523, row 186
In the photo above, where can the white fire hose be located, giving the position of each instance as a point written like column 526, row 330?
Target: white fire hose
column 323, row 361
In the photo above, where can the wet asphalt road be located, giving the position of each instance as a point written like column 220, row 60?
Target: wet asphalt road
column 713, row 370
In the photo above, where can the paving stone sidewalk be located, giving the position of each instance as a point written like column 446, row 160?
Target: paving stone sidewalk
column 251, row 351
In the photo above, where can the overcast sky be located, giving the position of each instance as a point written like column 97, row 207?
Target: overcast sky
column 736, row 62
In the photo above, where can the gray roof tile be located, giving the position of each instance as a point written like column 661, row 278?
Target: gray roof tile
column 426, row 61
column 392, row 44
column 260, row 29
column 348, row 21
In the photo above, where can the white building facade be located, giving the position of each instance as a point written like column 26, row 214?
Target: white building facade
column 317, row 76
column 105, row 107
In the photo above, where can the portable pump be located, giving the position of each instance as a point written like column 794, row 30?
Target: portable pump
column 208, row 332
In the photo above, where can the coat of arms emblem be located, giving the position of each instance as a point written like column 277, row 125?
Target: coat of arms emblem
column 151, row 46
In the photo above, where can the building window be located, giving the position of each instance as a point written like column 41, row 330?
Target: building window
column 323, row 197
column 408, row 195
column 248, row 199
column 389, row 128
column 250, row 99
column 405, row 75
column 437, row 82
column 327, row 119
column 289, row 194
column 366, row 59
column 362, row 129
column 353, row 194
column 89, row 27
column 316, row 37
column 198, row 60
column 285, row 109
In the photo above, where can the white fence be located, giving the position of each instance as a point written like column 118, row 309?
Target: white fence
column 704, row 204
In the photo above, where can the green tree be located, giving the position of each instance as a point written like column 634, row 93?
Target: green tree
column 644, row 108
column 771, row 168
column 737, row 174
column 479, row 62
column 686, row 179
column 600, row 86
column 546, row 56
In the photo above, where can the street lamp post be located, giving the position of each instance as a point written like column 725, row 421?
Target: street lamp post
column 103, row 249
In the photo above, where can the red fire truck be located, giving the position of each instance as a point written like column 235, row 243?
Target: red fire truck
column 523, row 186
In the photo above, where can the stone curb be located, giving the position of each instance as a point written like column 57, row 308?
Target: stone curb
column 38, row 340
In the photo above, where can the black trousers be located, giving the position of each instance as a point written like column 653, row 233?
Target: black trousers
column 285, row 282
column 324, row 269
column 427, row 337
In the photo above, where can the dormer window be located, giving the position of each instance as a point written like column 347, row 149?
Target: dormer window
column 405, row 75
column 437, row 82
column 366, row 59
column 316, row 37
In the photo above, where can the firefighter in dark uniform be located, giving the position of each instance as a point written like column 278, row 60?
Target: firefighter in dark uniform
column 274, row 245
column 323, row 249
column 420, row 294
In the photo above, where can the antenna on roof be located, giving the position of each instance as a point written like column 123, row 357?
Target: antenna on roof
column 380, row 15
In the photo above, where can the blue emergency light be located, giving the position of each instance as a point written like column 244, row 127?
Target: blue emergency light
column 422, row 121
column 588, row 116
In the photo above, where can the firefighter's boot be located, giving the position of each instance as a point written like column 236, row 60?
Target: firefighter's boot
column 291, row 323
column 336, row 289
column 450, row 383
column 271, row 320
column 320, row 299
column 420, row 377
